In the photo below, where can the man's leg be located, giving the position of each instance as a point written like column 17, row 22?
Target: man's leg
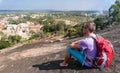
column 74, row 53
column 79, row 55
column 67, row 58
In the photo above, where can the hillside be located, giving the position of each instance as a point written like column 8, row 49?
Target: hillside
column 44, row 57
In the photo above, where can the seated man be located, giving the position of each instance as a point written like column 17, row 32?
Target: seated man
column 87, row 45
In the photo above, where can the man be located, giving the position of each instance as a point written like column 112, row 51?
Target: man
column 87, row 45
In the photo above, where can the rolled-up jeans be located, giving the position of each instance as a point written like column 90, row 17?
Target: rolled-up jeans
column 78, row 54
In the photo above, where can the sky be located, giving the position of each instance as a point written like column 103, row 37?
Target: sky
column 56, row 4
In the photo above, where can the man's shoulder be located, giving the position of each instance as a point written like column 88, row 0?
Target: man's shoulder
column 88, row 40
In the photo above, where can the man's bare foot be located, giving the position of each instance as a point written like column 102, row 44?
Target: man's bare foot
column 63, row 64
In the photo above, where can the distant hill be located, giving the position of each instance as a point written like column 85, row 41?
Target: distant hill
column 92, row 11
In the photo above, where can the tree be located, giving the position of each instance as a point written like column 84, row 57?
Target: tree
column 78, row 28
column 114, row 12
column 46, row 28
column 60, row 26
column 99, row 23
column 48, row 20
column 49, row 25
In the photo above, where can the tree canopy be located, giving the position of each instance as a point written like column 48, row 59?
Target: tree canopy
column 114, row 11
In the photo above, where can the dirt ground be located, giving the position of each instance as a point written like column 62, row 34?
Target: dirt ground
column 44, row 57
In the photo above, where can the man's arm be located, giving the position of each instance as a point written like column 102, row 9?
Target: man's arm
column 74, row 45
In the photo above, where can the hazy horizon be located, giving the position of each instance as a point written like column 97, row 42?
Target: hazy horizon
column 62, row 5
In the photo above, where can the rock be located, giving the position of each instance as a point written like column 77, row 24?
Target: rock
column 49, row 63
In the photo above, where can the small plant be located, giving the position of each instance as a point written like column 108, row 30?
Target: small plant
column 4, row 44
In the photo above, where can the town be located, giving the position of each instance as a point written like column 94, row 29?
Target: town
column 17, row 27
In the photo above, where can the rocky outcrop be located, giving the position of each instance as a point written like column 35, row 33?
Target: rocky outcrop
column 44, row 57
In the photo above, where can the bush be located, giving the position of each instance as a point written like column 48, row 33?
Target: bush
column 78, row 28
column 14, row 39
column 36, row 35
column 99, row 23
column 71, row 32
column 4, row 44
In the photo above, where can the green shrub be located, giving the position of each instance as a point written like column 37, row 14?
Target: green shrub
column 99, row 23
column 14, row 39
column 71, row 32
column 78, row 28
column 4, row 44
column 36, row 35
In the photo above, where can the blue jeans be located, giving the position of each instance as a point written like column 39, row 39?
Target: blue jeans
column 79, row 55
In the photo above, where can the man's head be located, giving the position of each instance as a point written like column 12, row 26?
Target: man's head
column 88, row 27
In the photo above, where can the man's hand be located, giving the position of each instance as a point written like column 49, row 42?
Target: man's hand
column 74, row 45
